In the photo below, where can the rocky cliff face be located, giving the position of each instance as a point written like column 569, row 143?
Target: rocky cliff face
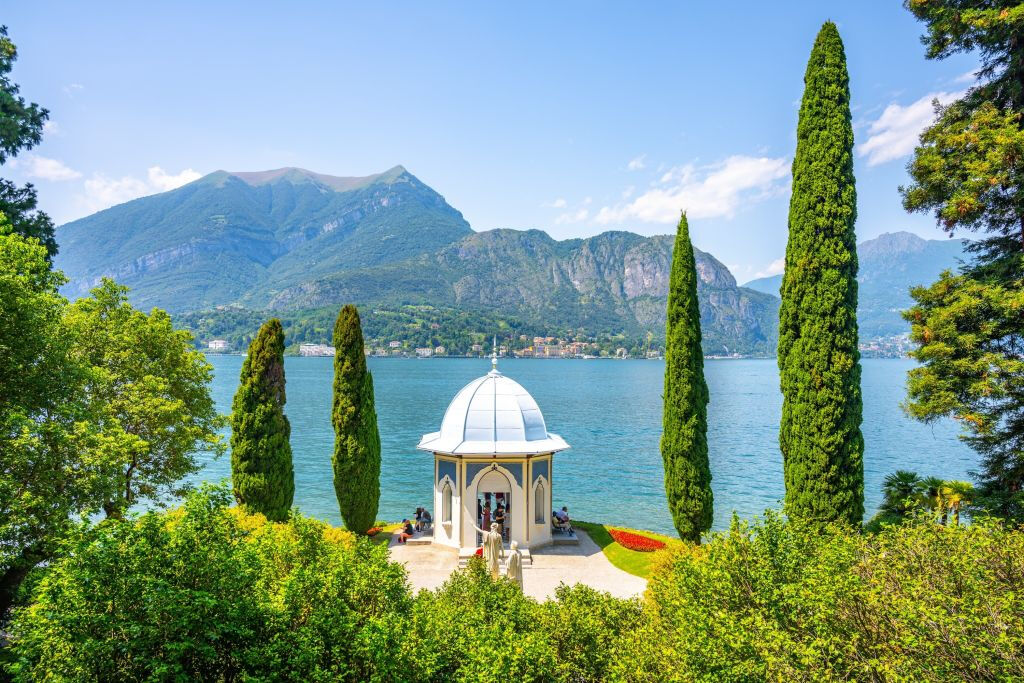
column 616, row 281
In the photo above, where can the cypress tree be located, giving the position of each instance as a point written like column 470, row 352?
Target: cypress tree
column 262, row 475
column 356, row 458
column 684, row 442
column 819, row 364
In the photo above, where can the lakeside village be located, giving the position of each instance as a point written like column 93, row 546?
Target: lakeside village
column 896, row 346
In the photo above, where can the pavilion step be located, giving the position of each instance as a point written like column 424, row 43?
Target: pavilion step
column 562, row 538
column 466, row 553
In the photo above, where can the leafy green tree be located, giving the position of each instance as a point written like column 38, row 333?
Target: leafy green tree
column 968, row 171
column 150, row 392
column 21, row 128
column 819, row 363
column 206, row 593
column 356, row 458
column 901, row 490
column 49, row 441
column 684, row 440
column 261, row 455
column 778, row 601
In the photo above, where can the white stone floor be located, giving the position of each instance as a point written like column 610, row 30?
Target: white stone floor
column 430, row 565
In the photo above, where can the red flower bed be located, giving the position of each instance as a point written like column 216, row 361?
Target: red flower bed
column 373, row 531
column 636, row 542
column 479, row 552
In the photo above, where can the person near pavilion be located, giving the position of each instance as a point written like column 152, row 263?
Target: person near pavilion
column 514, row 564
column 494, row 549
column 499, row 518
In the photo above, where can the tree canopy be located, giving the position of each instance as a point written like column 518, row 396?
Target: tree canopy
column 819, row 362
column 262, row 474
column 356, row 458
column 968, row 172
column 684, row 440
column 21, row 128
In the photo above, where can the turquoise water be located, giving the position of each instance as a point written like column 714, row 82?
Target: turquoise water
column 610, row 413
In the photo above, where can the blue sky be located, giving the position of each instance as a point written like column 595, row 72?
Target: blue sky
column 572, row 117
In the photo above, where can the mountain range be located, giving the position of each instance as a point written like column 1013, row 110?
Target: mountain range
column 291, row 240
column 889, row 265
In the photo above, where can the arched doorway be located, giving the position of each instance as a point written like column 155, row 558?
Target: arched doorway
column 493, row 502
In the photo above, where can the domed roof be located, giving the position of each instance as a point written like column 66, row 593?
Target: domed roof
column 492, row 415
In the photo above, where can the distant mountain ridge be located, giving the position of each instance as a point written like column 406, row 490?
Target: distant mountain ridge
column 889, row 265
column 214, row 240
column 289, row 238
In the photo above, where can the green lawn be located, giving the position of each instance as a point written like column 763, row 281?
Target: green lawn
column 631, row 561
column 386, row 530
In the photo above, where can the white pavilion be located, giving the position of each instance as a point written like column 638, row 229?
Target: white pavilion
column 493, row 450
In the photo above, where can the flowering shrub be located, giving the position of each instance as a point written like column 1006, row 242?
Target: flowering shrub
column 631, row 541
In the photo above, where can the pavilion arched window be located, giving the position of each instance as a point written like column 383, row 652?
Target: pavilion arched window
column 540, row 505
column 446, row 503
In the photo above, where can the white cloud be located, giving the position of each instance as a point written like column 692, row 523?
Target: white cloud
column 628, row 192
column 776, row 267
column 636, row 164
column 44, row 168
column 559, row 203
column 164, row 181
column 573, row 217
column 51, row 128
column 895, row 133
column 968, row 77
column 71, row 89
column 710, row 191
column 102, row 192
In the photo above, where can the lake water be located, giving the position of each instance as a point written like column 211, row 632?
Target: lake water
column 610, row 413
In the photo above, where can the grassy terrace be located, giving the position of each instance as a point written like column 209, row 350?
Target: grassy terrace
column 631, row 561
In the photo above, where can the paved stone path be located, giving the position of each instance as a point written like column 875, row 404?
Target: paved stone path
column 430, row 565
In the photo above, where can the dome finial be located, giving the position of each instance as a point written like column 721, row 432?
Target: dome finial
column 494, row 356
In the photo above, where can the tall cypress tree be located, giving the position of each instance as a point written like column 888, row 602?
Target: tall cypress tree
column 356, row 439
column 684, row 441
column 819, row 364
column 262, row 475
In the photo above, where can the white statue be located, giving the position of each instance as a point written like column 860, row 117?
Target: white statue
column 514, row 564
column 494, row 550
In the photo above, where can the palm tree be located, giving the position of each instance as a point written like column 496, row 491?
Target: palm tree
column 901, row 488
column 932, row 495
column 957, row 494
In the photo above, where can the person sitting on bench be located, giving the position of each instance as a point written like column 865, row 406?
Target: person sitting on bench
column 561, row 521
column 406, row 532
column 425, row 520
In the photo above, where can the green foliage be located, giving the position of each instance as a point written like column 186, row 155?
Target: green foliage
column 684, row 440
column 206, row 593
column 150, row 390
column 21, row 128
column 475, row 628
column 50, row 445
column 356, row 458
column 906, row 495
column 966, row 330
column 262, row 474
column 819, row 364
column 783, row 601
column 968, row 172
column 901, row 490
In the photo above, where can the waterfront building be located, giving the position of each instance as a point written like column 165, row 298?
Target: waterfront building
column 493, row 449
